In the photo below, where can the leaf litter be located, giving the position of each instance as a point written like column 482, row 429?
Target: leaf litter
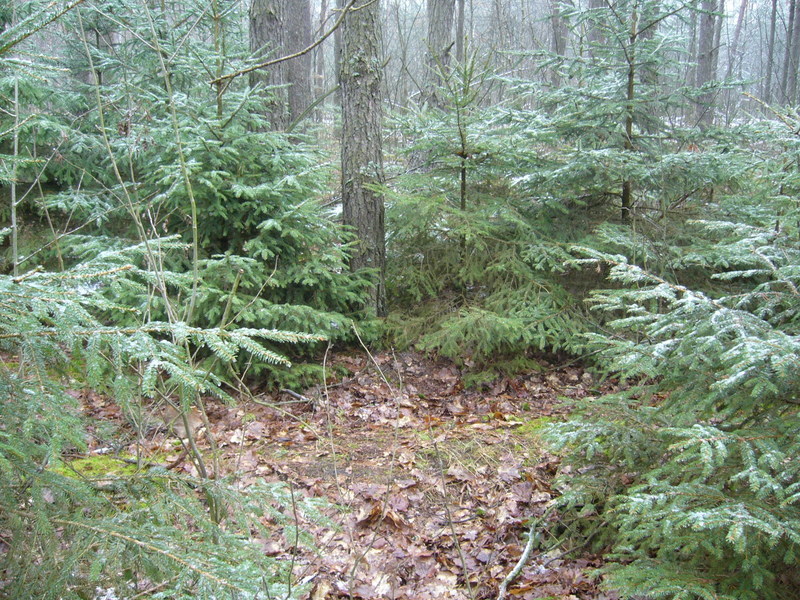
column 431, row 486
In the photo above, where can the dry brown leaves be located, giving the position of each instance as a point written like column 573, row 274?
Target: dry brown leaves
column 433, row 484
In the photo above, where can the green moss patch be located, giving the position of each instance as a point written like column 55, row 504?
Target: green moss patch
column 93, row 467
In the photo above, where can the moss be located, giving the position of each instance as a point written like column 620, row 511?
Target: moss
column 533, row 427
column 93, row 467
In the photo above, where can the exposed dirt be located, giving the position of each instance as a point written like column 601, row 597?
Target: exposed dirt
column 434, row 483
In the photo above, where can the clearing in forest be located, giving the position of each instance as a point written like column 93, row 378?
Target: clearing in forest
column 431, row 485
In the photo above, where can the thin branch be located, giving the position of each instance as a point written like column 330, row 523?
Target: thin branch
column 7, row 45
column 172, row 556
column 298, row 54
column 533, row 537
column 312, row 106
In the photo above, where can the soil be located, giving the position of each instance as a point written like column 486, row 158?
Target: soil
column 432, row 486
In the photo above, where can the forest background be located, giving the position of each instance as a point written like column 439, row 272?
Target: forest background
column 194, row 195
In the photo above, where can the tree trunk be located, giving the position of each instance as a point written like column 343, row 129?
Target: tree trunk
column 691, row 67
column 734, row 63
column 649, row 22
column 265, row 36
column 319, row 53
column 15, row 154
column 441, row 42
column 298, row 31
column 281, row 28
column 461, row 34
column 595, row 34
column 362, row 152
column 794, row 62
column 787, row 57
column 767, row 95
column 401, row 87
column 706, row 72
column 720, row 17
column 558, row 45
column 337, row 54
column 733, row 55
column 631, row 56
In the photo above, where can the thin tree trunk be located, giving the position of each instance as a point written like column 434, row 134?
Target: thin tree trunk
column 337, row 54
column 319, row 53
column 649, row 22
column 767, row 95
column 461, row 36
column 440, row 46
column 791, row 83
column 733, row 55
column 362, row 151
column 219, row 51
column 691, row 67
column 627, row 185
column 595, row 35
column 787, row 56
column 558, row 45
column 401, row 86
column 15, row 150
column 734, row 63
column 720, row 17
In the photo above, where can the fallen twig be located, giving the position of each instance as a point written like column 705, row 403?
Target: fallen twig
column 295, row 395
column 533, row 537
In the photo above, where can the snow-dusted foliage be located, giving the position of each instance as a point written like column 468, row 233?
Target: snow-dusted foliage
column 690, row 477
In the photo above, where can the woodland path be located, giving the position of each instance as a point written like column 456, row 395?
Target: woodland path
column 433, row 483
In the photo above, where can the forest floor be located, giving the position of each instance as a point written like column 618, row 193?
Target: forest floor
column 433, row 484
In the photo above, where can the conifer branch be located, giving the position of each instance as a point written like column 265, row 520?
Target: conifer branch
column 35, row 23
column 152, row 548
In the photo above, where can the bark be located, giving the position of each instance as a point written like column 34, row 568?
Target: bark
column 298, row 29
column 794, row 62
column 280, row 28
column 787, row 57
column 319, row 53
column 558, row 44
column 337, row 54
column 461, row 35
column 441, row 42
column 767, row 95
column 691, row 67
column 733, row 55
column 362, row 152
column 720, row 17
column 627, row 185
column 706, row 51
column 265, row 41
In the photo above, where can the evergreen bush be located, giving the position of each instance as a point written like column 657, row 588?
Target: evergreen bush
column 146, row 150
column 117, row 307
column 476, row 257
column 64, row 533
column 689, row 479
